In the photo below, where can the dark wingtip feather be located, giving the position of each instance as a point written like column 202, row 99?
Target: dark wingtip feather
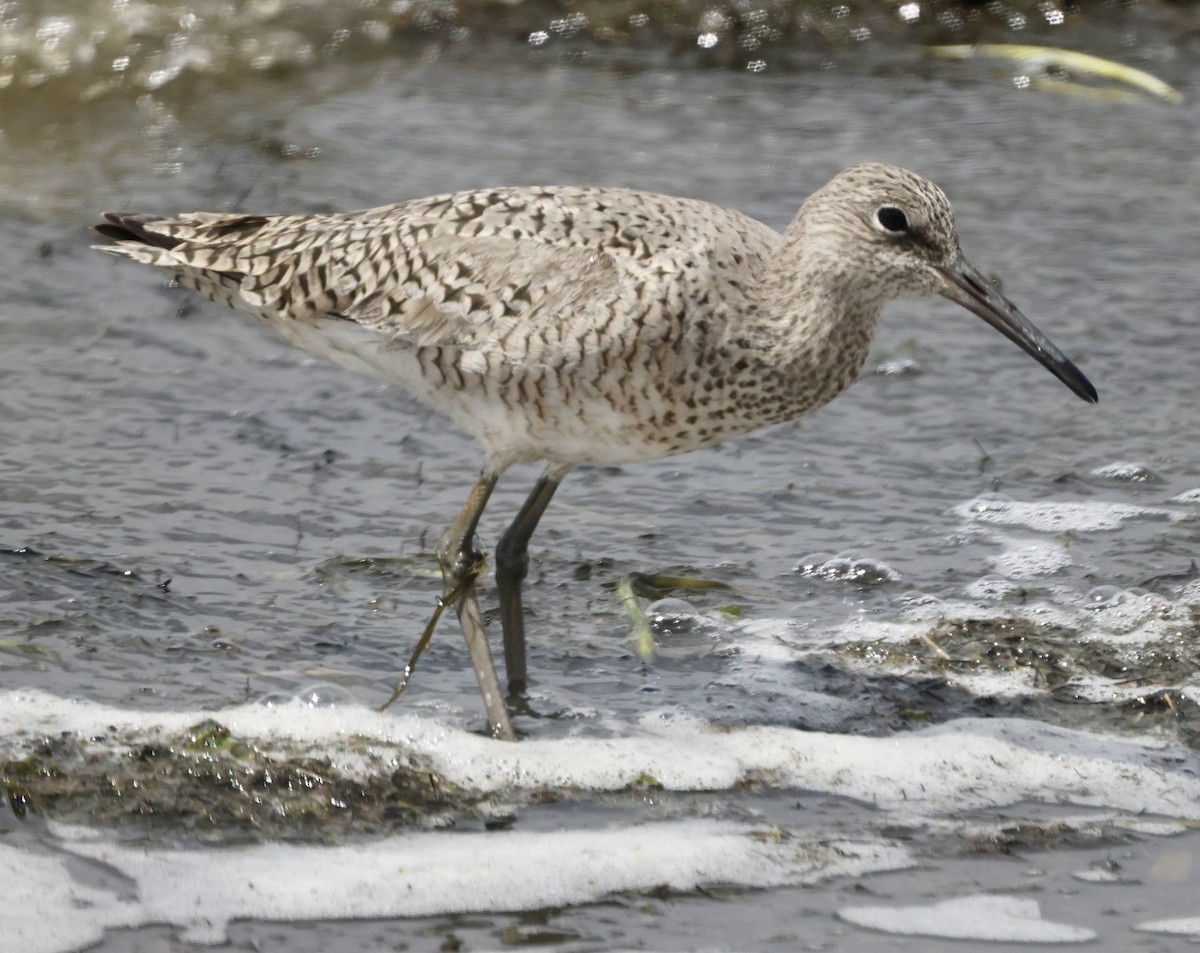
column 133, row 227
column 115, row 232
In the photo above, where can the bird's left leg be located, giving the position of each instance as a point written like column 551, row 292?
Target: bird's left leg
column 461, row 565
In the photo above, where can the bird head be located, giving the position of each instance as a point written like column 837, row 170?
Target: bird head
column 892, row 233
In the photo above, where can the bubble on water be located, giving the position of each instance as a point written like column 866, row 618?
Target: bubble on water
column 914, row 598
column 900, row 368
column 1126, row 472
column 1190, row 594
column 672, row 608
column 674, row 615
column 1037, row 559
column 989, row 503
column 1102, row 596
column 53, row 30
column 1122, row 612
column 375, row 30
column 808, row 565
column 670, row 720
column 992, row 587
column 839, row 567
column 324, row 696
column 714, row 20
column 847, row 567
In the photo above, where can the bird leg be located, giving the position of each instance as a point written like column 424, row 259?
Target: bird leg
column 512, row 564
column 461, row 565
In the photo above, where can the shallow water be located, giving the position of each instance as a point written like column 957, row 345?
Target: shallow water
column 196, row 515
column 165, row 439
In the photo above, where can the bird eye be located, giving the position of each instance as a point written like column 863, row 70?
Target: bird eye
column 891, row 219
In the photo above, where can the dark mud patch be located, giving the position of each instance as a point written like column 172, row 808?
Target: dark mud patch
column 208, row 785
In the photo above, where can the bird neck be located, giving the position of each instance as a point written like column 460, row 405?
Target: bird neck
column 814, row 323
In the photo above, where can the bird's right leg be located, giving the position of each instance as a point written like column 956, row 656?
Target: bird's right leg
column 461, row 565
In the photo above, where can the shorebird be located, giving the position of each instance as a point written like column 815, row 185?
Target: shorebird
column 576, row 325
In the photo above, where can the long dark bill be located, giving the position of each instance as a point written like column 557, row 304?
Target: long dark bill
column 966, row 286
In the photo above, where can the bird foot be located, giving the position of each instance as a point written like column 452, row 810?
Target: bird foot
column 460, row 559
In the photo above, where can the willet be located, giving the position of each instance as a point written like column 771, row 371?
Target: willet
column 585, row 325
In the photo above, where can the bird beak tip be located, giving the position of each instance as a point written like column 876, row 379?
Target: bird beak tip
column 966, row 286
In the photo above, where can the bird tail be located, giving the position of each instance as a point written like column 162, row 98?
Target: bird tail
column 136, row 237
column 133, row 227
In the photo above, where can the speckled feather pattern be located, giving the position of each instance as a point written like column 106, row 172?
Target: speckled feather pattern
column 579, row 325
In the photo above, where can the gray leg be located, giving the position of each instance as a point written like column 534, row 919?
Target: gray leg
column 512, row 564
column 461, row 565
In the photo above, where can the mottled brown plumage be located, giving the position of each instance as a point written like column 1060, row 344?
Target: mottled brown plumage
column 586, row 325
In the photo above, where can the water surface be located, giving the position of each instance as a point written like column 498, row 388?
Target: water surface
column 196, row 515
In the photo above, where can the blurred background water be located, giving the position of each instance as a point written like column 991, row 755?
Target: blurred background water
column 193, row 514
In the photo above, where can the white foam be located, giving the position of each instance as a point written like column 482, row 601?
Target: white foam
column 929, row 776
column 1108, row 691
column 43, row 909
column 1035, row 559
column 1087, row 516
column 1184, row 926
column 963, row 764
column 1089, row 823
column 981, row 917
column 1097, row 875
column 201, row 891
column 991, row 587
column 1017, row 682
column 900, row 366
column 785, row 640
column 761, row 649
